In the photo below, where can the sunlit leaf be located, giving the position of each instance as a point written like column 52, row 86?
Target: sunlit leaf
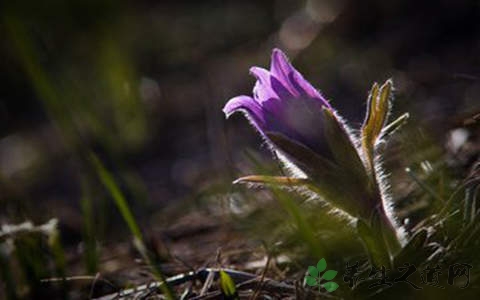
column 227, row 285
column 274, row 180
column 395, row 125
column 377, row 113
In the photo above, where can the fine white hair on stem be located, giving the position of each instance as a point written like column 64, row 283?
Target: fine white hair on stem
column 310, row 196
column 384, row 188
column 352, row 134
column 289, row 166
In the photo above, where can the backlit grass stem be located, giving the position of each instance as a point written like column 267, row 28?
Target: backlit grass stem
column 109, row 182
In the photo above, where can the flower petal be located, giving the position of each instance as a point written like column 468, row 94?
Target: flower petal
column 249, row 107
column 291, row 78
column 305, row 88
column 280, row 67
column 269, row 86
column 263, row 89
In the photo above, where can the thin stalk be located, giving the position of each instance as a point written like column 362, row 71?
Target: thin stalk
column 120, row 201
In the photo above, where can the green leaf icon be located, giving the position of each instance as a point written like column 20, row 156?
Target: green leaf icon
column 313, row 271
column 311, row 281
column 322, row 265
column 330, row 286
column 329, row 275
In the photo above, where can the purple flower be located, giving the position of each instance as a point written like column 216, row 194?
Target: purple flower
column 313, row 139
column 285, row 103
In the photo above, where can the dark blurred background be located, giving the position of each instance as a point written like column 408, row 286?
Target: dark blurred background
column 142, row 84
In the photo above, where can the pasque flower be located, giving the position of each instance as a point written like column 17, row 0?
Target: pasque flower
column 306, row 132
column 283, row 102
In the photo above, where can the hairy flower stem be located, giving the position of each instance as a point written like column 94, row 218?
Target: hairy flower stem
column 390, row 233
column 379, row 237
